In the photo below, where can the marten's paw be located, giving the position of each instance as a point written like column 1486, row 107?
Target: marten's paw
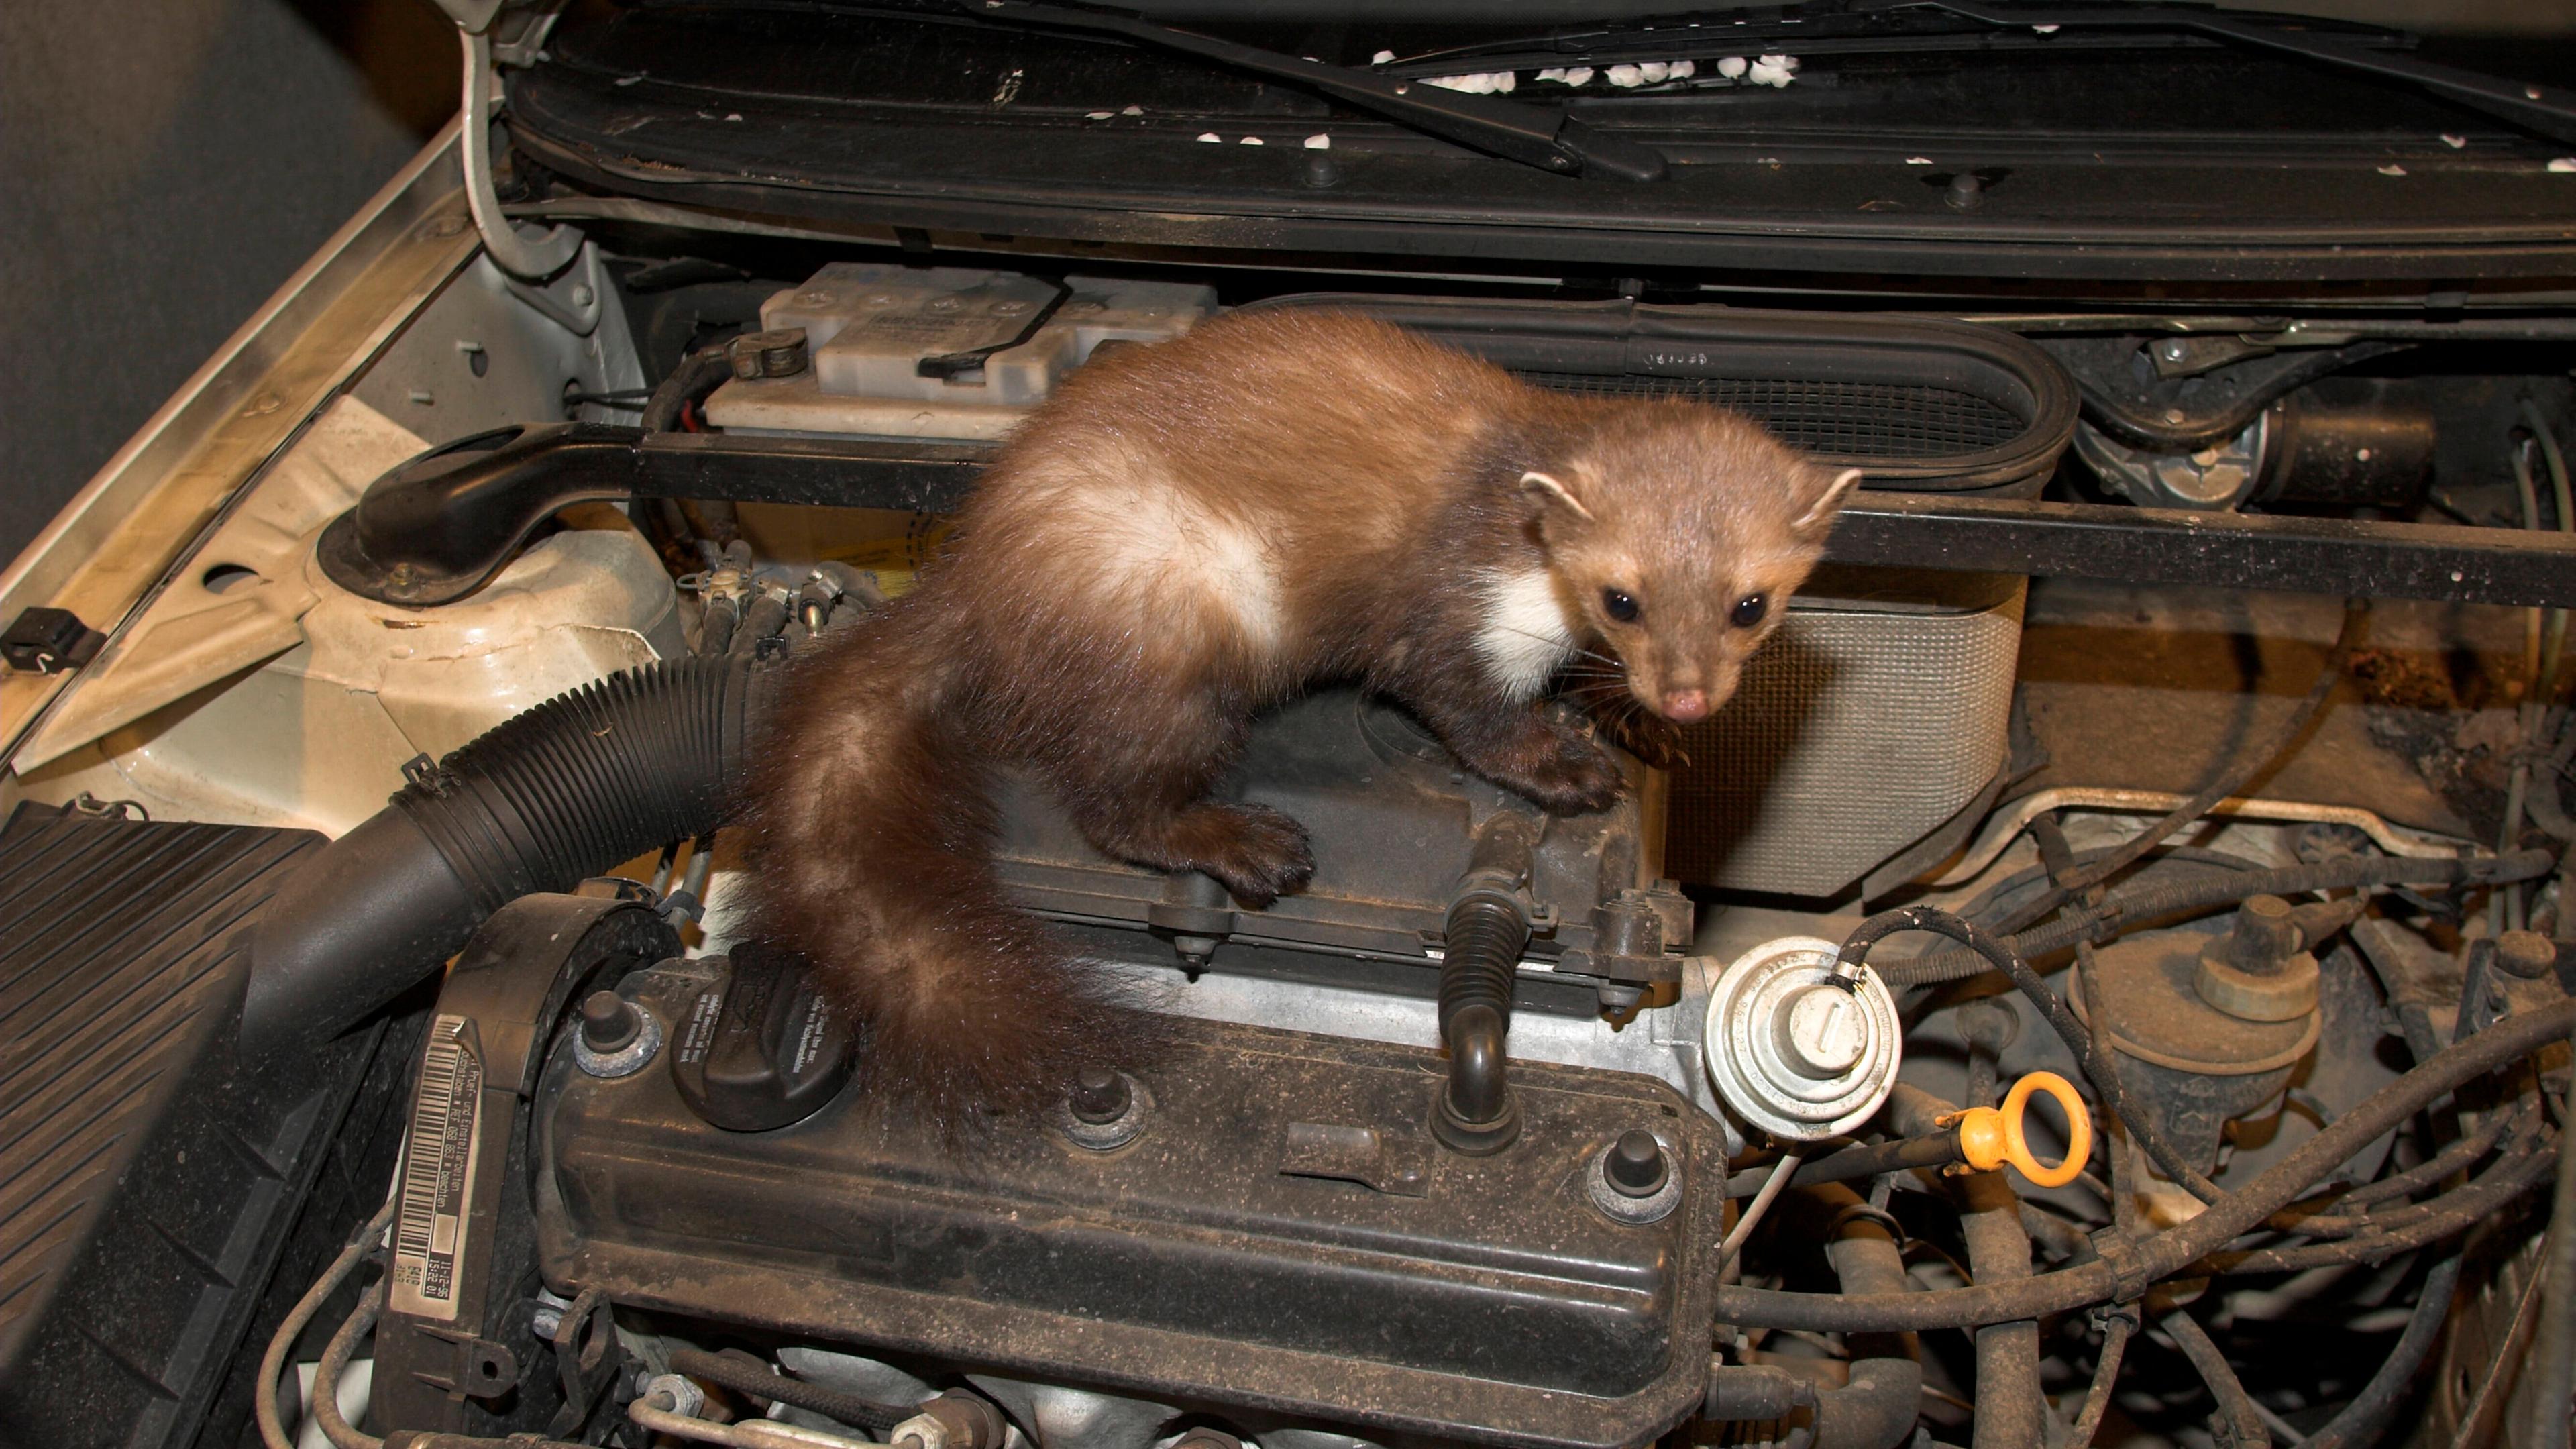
column 1258, row 853
column 1571, row 775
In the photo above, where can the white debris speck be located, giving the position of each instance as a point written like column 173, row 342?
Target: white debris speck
column 1625, row 76
column 1252, row 140
column 2392, row 169
column 628, row 80
column 1210, row 136
column 1579, row 75
column 1382, row 57
column 1772, row 70
column 2045, row 29
column 1101, row 115
column 1319, row 143
column 2563, row 164
column 1918, row 160
column 2361, row 455
column 1733, row 67
column 1132, row 111
column 1685, row 69
column 733, row 115
column 1655, row 71
column 1009, row 90
column 2454, row 142
column 1482, row 83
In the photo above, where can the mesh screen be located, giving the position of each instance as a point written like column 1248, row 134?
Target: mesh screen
column 1851, row 736
column 1849, row 419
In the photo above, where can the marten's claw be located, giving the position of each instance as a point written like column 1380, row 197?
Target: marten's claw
column 1580, row 778
column 1261, row 856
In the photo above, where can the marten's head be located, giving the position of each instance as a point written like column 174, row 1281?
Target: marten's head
column 1677, row 532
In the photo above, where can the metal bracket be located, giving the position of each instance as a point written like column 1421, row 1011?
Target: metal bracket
column 521, row 253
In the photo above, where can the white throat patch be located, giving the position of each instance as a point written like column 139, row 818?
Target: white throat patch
column 1525, row 637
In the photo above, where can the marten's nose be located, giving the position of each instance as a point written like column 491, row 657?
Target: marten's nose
column 1686, row 706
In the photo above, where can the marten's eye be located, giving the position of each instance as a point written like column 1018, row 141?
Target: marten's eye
column 1619, row 606
column 1749, row 610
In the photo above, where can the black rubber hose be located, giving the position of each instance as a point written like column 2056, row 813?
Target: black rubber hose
column 1937, row 1149
column 1878, row 1407
column 1485, row 933
column 760, row 1380
column 2125, row 1269
column 2245, row 1427
column 2373, row 1411
column 540, row 802
column 2157, row 902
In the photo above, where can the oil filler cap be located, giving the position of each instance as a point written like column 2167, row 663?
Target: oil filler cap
column 762, row 1047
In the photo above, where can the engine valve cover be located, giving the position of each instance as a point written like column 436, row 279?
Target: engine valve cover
column 1275, row 1231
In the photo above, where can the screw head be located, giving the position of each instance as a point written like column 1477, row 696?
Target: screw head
column 2173, row 351
column 1101, row 1096
column 1635, row 1165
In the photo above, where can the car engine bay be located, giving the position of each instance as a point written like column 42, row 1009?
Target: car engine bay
column 2104, row 979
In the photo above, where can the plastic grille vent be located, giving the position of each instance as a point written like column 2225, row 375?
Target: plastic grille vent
column 1842, row 419
column 1853, row 734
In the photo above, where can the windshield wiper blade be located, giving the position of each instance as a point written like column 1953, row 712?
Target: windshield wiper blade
column 2546, row 109
column 1539, row 136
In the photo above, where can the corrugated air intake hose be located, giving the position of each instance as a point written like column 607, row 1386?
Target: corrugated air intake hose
column 539, row 802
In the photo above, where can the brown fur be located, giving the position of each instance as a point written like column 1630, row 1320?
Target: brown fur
column 1186, row 534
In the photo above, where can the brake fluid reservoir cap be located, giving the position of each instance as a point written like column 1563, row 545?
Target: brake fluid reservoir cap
column 1796, row 1048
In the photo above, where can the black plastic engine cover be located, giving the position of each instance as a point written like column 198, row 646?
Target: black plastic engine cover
column 1475, row 1298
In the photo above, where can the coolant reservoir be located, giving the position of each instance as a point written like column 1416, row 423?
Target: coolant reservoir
column 868, row 328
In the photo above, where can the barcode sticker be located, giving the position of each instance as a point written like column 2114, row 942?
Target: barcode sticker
column 438, row 1172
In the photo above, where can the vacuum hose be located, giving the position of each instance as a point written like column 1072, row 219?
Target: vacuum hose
column 540, row 802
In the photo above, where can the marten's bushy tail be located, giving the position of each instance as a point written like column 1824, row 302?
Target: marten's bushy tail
column 871, row 822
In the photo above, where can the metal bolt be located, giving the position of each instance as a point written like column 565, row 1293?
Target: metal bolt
column 2173, row 351
column 1101, row 1096
column 2526, row 954
column 1965, row 192
column 608, row 1023
column 1635, row 1166
column 583, row 296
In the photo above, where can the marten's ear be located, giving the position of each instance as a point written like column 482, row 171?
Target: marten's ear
column 1820, row 514
column 1551, row 492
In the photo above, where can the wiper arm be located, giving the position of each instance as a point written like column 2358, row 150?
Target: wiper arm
column 2546, row 109
column 1536, row 136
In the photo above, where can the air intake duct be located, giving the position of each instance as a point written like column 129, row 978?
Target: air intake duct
column 539, row 802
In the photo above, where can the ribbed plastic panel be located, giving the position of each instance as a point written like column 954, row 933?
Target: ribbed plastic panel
column 1866, row 721
column 1843, row 419
column 144, row 1176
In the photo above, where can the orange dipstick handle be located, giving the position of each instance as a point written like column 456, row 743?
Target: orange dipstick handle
column 1991, row 1137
